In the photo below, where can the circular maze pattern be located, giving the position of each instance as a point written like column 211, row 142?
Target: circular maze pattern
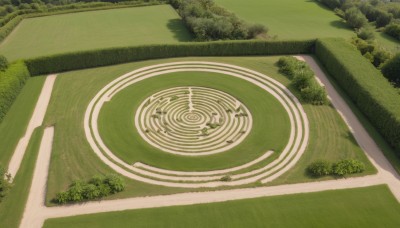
column 193, row 121
column 190, row 116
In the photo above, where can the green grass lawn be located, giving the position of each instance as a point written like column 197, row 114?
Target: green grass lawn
column 330, row 138
column 12, row 207
column 290, row 19
column 363, row 207
column 94, row 30
column 14, row 125
column 270, row 131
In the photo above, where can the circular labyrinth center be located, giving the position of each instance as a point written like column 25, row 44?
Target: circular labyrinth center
column 193, row 121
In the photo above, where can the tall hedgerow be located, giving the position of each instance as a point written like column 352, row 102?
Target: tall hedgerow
column 12, row 80
column 365, row 85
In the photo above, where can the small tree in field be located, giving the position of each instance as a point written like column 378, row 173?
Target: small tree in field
column 355, row 18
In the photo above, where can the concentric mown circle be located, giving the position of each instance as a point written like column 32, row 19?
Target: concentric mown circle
column 184, row 120
column 193, row 121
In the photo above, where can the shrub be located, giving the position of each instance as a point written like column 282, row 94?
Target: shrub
column 207, row 21
column 4, row 184
column 320, row 168
column 96, row 188
column 115, row 182
column 380, row 57
column 11, row 82
column 366, row 34
column 303, row 79
column 383, row 19
column 355, row 18
column 348, row 166
column 393, row 30
column 104, row 57
column 365, row 85
column 226, row 178
column 391, row 70
column 3, row 63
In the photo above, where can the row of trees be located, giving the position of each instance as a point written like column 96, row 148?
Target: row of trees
column 303, row 79
column 384, row 13
column 340, row 168
column 207, row 21
column 96, row 188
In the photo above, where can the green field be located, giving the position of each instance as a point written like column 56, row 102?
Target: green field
column 290, row 19
column 330, row 137
column 363, row 207
column 270, row 129
column 94, row 30
column 14, row 125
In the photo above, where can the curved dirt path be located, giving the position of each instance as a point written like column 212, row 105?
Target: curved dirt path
column 36, row 212
column 36, row 121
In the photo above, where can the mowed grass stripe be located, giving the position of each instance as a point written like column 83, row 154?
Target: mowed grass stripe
column 364, row 207
column 93, row 30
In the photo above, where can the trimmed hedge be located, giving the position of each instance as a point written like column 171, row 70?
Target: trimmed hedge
column 11, row 82
column 365, row 85
column 86, row 59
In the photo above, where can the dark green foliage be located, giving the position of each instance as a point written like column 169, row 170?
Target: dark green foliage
column 391, row 70
column 365, row 85
column 355, row 18
column 207, row 21
column 366, row 34
column 104, row 57
column 11, row 82
column 393, row 30
column 319, row 168
column 371, row 51
column 383, row 19
column 303, row 79
column 3, row 63
column 348, row 166
column 331, row 3
column 341, row 168
column 226, row 178
column 95, row 188
column 4, row 184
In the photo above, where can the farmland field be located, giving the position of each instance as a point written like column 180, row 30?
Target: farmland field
column 363, row 207
column 94, row 30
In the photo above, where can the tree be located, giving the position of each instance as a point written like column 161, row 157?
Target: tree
column 391, row 70
column 355, row 18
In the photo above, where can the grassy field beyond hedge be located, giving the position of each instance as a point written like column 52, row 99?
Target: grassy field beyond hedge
column 363, row 207
column 290, row 19
column 95, row 29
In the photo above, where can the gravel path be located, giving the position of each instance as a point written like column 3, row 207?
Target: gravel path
column 36, row 121
column 36, row 213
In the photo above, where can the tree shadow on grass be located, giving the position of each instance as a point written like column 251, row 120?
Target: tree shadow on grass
column 178, row 28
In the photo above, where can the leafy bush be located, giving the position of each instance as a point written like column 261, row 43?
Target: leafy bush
column 365, row 85
column 303, row 79
column 11, row 82
column 226, row 178
column 393, row 30
column 348, row 166
column 207, row 21
column 104, row 57
column 95, row 188
column 4, row 184
column 366, row 34
column 391, row 70
column 355, row 18
column 331, row 3
column 320, row 168
column 3, row 63
column 383, row 19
